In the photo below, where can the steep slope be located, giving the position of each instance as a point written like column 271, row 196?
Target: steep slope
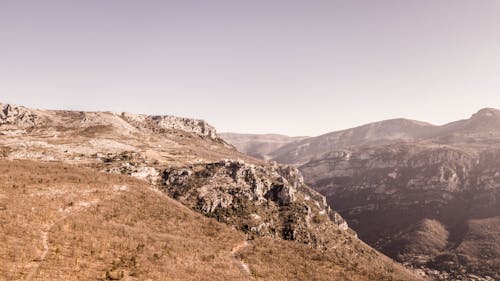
column 259, row 146
column 375, row 133
column 116, row 226
column 262, row 201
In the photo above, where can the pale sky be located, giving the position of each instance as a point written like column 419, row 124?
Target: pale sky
column 291, row 67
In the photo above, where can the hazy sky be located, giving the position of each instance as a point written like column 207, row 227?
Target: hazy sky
column 292, row 67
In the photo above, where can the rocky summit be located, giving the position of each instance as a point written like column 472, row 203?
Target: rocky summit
column 18, row 116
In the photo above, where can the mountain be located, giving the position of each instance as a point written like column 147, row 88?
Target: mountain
column 375, row 133
column 259, row 146
column 120, row 196
column 428, row 196
column 483, row 125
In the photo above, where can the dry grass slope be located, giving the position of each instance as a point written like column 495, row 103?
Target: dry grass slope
column 285, row 260
column 60, row 222
column 102, row 226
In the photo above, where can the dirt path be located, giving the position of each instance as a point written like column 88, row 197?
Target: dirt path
column 242, row 266
column 63, row 214
column 44, row 237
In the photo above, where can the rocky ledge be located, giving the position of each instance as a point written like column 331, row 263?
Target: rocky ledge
column 160, row 123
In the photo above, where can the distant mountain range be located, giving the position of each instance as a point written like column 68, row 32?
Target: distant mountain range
column 426, row 195
column 484, row 125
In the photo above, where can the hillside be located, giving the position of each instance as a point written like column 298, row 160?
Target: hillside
column 84, row 196
column 63, row 222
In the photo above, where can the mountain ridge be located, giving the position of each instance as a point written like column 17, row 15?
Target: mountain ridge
column 185, row 159
column 386, row 131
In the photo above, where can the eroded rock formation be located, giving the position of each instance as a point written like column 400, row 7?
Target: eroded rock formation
column 261, row 200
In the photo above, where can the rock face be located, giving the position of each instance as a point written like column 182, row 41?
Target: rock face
column 18, row 116
column 21, row 117
column 264, row 201
column 167, row 122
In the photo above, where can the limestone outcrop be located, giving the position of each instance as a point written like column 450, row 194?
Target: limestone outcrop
column 17, row 116
column 160, row 123
column 260, row 200
column 21, row 117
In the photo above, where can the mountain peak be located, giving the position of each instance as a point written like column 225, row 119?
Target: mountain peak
column 487, row 112
column 485, row 120
column 397, row 123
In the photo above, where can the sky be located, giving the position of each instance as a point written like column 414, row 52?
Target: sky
column 289, row 67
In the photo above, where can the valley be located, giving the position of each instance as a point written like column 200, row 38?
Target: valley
column 426, row 195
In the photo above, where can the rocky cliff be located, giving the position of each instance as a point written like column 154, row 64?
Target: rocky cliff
column 270, row 201
column 260, row 199
column 160, row 123
column 21, row 117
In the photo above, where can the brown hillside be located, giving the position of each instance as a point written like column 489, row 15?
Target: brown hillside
column 64, row 222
